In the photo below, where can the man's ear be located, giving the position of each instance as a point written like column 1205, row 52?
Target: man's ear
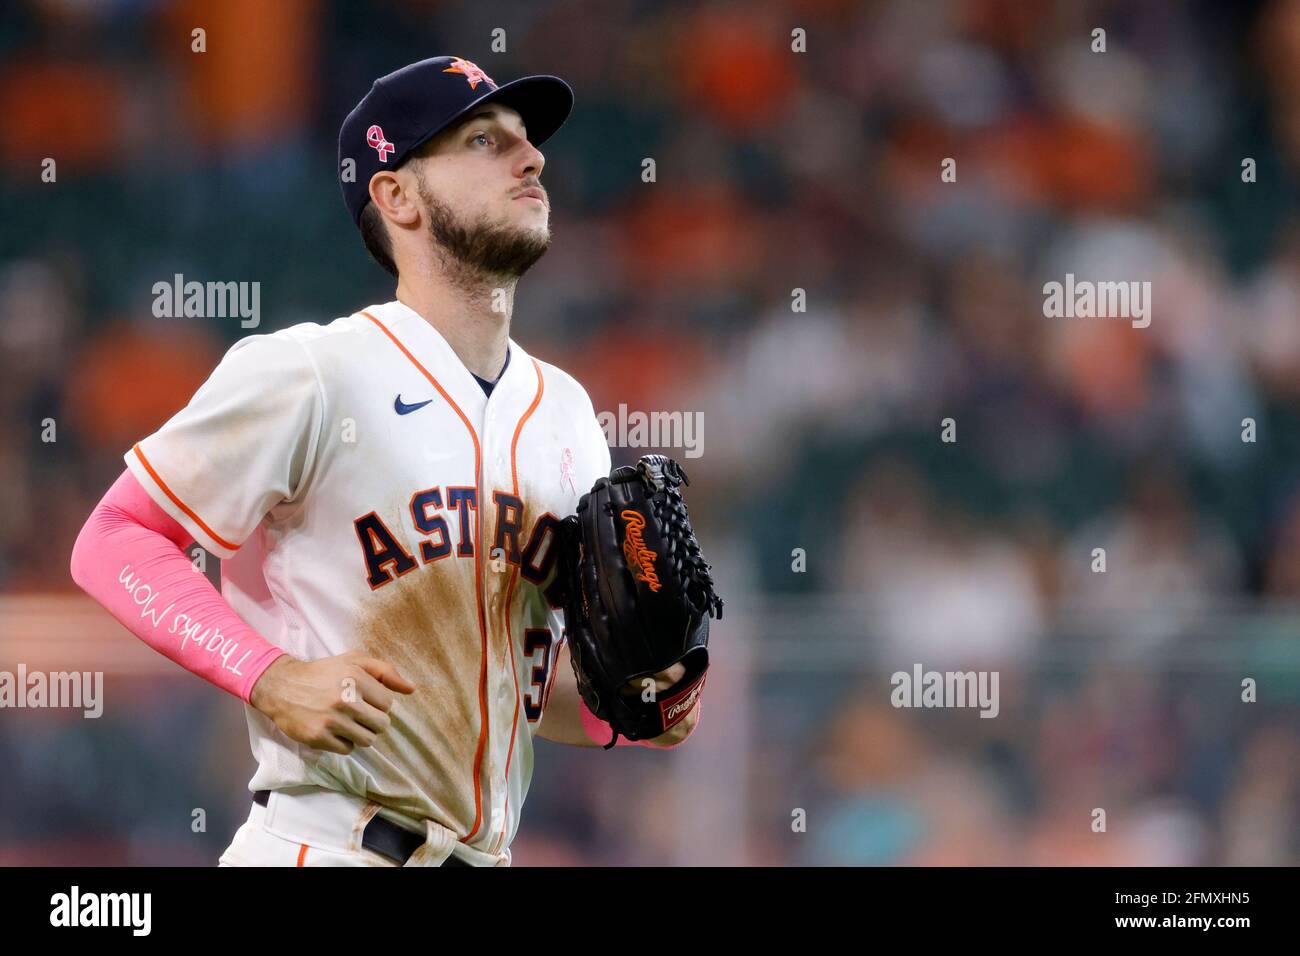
column 393, row 191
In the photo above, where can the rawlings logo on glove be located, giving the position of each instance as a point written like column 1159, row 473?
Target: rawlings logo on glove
column 637, row 554
column 675, row 708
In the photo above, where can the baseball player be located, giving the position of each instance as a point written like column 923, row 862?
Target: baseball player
column 386, row 492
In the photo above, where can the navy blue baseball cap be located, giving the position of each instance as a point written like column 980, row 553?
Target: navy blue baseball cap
column 407, row 108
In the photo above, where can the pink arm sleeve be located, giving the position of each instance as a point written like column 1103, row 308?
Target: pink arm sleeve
column 600, row 732
column 129, row 557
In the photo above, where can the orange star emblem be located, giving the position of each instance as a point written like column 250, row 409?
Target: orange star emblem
column 473, row 75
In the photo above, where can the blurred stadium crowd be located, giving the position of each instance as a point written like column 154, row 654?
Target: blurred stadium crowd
column 775, row 172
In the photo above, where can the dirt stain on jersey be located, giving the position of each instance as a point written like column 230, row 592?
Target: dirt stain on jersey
column 425, row 624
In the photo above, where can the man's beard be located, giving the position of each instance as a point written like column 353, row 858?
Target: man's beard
column 483, row 248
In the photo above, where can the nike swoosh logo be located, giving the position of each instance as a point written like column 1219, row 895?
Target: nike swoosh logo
column 402, row 408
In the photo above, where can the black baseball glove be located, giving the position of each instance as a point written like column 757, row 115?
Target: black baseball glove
column 638, row 598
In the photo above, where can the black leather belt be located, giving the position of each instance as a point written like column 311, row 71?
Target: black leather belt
column 384, row 837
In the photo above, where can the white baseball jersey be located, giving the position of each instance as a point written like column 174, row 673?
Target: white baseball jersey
column 366, row 494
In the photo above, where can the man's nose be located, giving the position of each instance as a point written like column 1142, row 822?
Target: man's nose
column 530, row 160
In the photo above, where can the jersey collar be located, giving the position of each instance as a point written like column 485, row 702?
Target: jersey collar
column 422, row 338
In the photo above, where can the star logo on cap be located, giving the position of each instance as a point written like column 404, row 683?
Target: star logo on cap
column 473, row 75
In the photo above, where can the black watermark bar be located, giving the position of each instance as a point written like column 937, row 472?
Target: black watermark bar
column 1004, row 904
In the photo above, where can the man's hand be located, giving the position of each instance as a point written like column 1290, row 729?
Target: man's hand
column 680, row 730
column 664, row 680
column 331, row 704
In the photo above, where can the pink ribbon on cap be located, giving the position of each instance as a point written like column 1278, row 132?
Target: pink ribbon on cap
column 375, row 137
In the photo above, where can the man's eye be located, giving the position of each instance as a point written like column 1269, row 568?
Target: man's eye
column 478, row 137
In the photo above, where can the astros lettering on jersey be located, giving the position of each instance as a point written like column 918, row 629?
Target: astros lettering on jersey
column 366, row 494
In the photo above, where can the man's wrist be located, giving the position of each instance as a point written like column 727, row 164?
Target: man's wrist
column 263, row 696
column 599, row 732
column 680, row 731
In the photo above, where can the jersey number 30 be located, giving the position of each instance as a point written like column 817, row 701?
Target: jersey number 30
column 537, row 639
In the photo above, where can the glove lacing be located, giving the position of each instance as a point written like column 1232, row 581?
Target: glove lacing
column 683, row 549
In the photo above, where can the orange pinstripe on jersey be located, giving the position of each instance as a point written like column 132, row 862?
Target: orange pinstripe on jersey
column 510, row 594
column 478, row 575
column 550, row 682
